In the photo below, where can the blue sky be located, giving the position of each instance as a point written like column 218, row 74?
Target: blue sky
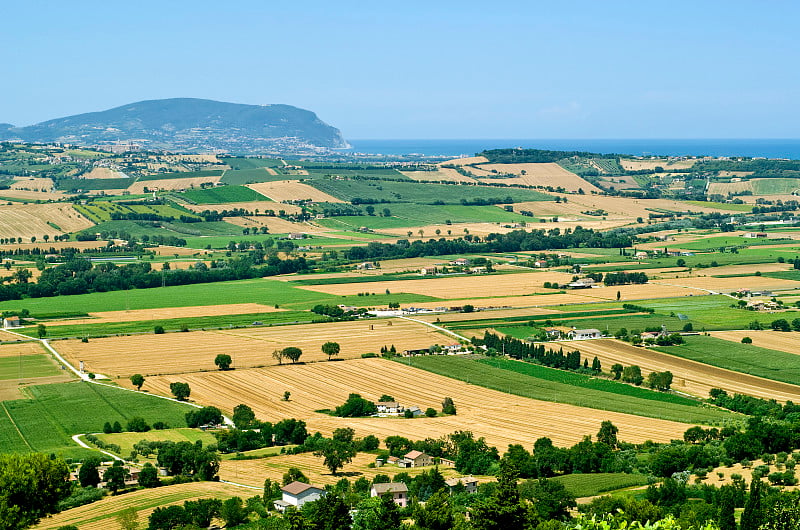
column 503, row 69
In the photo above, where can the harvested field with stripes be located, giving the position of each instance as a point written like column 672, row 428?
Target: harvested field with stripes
column 19, row 348
column 502, row 418
column 177, row 353
column 689, row 376
column 543, row 174
column 32, row 219
column 446, row 174
column 291, row 190
column 164, row 313
column 101, row 515
column 774, row 340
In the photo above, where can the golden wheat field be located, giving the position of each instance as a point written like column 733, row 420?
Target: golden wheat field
column 652, row 163
column 31, row 220
column 724, row 188
column 102, row 173
column 544, row 174
column 101, row 515
column 455, row 287
column 253, row 472
column 291, row 190
column 465, row 161
column 164, row 313
column 18, row 348
column 502, row 418
column 689, row 376
column 774, row 340
column 193, row 351
column 33, row 184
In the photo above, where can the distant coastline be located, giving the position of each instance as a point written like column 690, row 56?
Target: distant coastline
column 767, row 148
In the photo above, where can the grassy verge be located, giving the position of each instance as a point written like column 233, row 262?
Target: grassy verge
column 545, row 384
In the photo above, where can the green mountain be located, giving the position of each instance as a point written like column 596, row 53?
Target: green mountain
column 189, row 125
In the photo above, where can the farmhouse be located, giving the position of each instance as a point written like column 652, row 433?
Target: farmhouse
column 582, row 283
column 389, row 407
column 418, row 459
column 553, row 333
column 460, row 262
column 297, row 494
column 365, row 266
column 11, row 322
column 425, row 271
column 296, row 235
column 582, row 334
column 470, row 483
column 398, row 491
column 755, row 235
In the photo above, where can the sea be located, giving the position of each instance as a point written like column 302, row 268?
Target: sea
column 756, row 148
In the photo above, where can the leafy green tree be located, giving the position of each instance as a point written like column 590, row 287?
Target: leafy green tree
column 551, row 500
column 356, row 407
column 753, row 514
column 780, row 324
column 31, row 485
column 203, row 511
column 233, row 512
column 223, row 361
column 168, row 518
column 726, row 507
column 377, row 513
column 88, row 474
column 608, row 434
column 115, row 476
column 617, row 369
column 448, row 407
column 336, row 453
column 436, row 514
column 632, row 374
column 41, row 331
column 181, row 391
column 503, row 510
column 137, row 380
column 293, row 474
column 148, row 476
column 137, row 424
column 331, row 349
column 327, row 513
column 243, row 416
column 292, row 353
column 204, row 416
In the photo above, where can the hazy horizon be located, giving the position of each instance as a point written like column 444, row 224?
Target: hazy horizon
column 420, row 70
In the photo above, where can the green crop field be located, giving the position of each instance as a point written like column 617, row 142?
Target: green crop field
column 222, row 195
column 590, row 484
column 260, row 291
column 419, row 192
column 775, row 186
column 404, row 215
column 27, row 366
column 746, row 358
column 55, row 412
column 721, row 205
column 183, row 175
column 250, row 176
column 72, row 185
column 549, row 384
column 173, row 324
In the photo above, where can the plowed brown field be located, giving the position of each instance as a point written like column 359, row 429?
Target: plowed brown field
column 190, row 352
column 502, row 418
column 689, row 376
